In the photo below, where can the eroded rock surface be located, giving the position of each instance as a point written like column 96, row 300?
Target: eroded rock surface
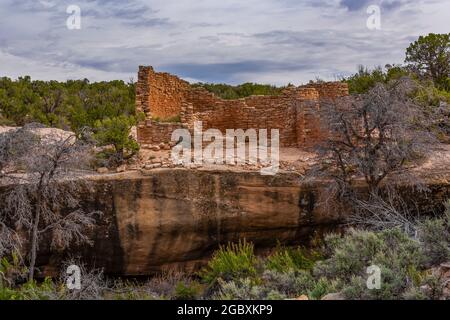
column 175, row 218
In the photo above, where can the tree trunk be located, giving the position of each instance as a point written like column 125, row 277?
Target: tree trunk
column 34, row 244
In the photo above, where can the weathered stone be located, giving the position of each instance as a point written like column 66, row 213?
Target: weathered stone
column 333, row 296
column 102, row 170
column 295, row 112
column 121, row 168
column 154, row 220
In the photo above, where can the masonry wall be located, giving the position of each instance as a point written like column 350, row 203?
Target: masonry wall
column 330, row 90
column 156, row 133
column 160, row 95
column 295, row 112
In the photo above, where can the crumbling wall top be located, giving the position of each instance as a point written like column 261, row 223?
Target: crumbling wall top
column 166, row 98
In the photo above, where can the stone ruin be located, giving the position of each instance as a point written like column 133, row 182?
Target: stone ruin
column 170, row 103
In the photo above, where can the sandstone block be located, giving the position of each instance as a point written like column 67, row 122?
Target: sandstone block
column 102, row 170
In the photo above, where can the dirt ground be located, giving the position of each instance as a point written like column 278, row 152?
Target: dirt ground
column 437, row 163
column 435, row 166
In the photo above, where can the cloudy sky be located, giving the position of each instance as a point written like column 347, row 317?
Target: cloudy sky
column 233, row 41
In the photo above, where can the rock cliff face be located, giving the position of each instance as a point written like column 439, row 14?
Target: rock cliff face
column 175, row 218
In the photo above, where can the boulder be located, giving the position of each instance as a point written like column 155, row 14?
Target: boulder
column 333, row 296
column 102, row 170
column 121, row 168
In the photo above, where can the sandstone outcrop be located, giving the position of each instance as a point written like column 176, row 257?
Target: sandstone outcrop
column 175, row 218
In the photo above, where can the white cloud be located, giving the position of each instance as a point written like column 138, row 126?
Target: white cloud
column 273, row 41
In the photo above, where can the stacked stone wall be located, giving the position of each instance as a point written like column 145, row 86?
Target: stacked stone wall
column 295, row 112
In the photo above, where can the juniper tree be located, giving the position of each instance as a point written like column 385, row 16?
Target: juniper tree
column 430, row 56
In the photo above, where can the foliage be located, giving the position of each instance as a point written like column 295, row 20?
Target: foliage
column 73, row 105
column 188, row 290
column 275, row 285
column 430, row 56
column 226, row 91
column 116, row 132
column 236, row 274
column 245, row 289
column 364, row 79
column 322, row 287
column 428, row 95
column 290, row 259
column 435, row 237
column 289, row 282
column 236, row 260
column 32, row 290
column 435, row 104
column 373, row 136
column 399, row 257
column 130, row 291
column 357, row 250
column 12, row 270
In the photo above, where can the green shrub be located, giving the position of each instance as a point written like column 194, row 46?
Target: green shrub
column 429, row 287
column 432, row 287
column 399, row 257
column 32, row 290
column 349, row 255
column 435, row 237
column 428, row 95
column 365, row 79
column 226, row 91
column 188, row 290
column 11, row 271
column 74, row 104
column 116, row 132
column 285, row 259
column 231, row 262
column 132, row 294
column 414, row 293
column 246, row 289
column 8, row 294
column 164, row 285
column 6, row 122
column 47, row 290
column 290, row 283
column 322, row 287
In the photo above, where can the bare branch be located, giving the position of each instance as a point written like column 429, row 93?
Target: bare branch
column 42, row 184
